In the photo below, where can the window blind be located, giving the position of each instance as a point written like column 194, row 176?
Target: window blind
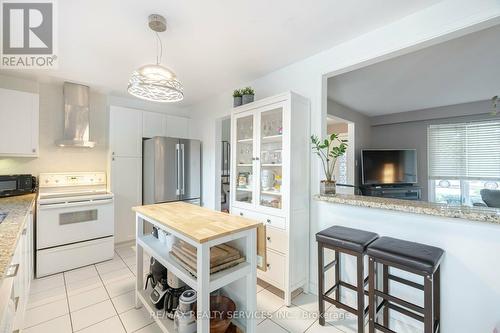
column 464, row 151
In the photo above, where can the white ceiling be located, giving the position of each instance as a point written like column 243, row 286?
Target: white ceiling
column 211, row 45
column 462, row 70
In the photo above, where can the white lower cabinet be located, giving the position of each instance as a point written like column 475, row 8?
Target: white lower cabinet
column 15, row 286
column 126, row 185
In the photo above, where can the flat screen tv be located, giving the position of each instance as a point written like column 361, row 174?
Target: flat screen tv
column 388, row 166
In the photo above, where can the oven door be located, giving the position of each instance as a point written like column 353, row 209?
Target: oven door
column 72, row 222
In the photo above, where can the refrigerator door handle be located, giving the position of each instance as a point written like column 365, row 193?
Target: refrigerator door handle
column 183, row 171
column 178, row 153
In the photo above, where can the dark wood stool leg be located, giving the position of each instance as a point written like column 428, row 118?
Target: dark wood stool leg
column 371, row 295
column 428, row 300
column 437, row 296
column 385, row 289
column 321, row 285
column 337, row 275
column 361, row 294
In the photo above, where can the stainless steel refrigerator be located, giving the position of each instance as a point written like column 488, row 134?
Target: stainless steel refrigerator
column 171, row 170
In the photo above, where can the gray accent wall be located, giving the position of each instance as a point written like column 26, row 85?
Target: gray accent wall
column 413, row 133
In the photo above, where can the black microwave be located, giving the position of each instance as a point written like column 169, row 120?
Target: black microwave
column 16, row 185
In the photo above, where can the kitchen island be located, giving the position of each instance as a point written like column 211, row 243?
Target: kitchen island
column 470, row 272
column 202, row 228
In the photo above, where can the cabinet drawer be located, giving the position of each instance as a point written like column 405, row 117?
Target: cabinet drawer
column 268, row 220
column 275, row 273
column 276, row 239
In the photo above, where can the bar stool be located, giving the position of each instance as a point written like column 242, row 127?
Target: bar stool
column 416, row 258
column 349, row 241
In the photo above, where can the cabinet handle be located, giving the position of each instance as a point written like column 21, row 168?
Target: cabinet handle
column 12, row 270
column 256, row 158
column 33, row 150
column 112, row 153
column 268, row 238
column 112, row 158
column 24, row 231
column 241, row 214
column 268, row 265
column 268, row 221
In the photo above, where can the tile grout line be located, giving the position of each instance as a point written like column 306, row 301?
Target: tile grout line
column 96, row 322
column 45, row 321
column 112, row 304
column 67, row 303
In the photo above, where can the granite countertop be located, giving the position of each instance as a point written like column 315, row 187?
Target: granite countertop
column 480, row 214
column 17, row 208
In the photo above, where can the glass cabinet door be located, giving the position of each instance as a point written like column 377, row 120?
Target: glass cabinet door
column 271, row 158
column 244, row 159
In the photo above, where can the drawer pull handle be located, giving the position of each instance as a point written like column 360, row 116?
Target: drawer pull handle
column 268, row 238
column 241, row 214
column 12, row 270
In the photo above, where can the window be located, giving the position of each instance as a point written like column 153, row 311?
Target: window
column 463, row 159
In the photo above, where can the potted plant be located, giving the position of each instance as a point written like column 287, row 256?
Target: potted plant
column 236, row 98
column 247, row 95
column 328, row 151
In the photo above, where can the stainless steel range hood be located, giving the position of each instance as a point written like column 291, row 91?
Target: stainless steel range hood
column 76, row 116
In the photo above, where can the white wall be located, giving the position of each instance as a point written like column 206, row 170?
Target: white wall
column 66, row 159
column 447, row 19
column 51, row 157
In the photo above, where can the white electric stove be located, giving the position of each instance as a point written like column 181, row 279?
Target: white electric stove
column 75, row 221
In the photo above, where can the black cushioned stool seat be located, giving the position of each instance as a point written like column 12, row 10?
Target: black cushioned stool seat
column 418, row 256
column 423, row 260
column 348, row 238
column 351, row 242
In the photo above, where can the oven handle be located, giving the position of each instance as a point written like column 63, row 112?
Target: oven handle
column 75, row 204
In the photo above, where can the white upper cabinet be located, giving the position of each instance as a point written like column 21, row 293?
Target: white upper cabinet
column 125, row 130
column 177, row 127
column 153, row 124
column 158, row 124
column 19, row 119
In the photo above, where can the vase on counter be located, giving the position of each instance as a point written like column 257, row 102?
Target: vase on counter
column 328, row 187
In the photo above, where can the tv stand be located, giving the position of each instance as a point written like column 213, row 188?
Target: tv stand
column 400, row 191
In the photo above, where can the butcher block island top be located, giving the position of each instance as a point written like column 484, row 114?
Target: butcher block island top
column 197, row 223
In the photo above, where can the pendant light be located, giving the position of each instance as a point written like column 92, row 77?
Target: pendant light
column 154, row 82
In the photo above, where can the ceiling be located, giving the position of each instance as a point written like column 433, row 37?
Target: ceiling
column 465, row 69
column 211, row 45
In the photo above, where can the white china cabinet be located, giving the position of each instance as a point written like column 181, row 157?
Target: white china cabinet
column 270, row 182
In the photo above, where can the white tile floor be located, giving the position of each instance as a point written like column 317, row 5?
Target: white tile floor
column 100, row 298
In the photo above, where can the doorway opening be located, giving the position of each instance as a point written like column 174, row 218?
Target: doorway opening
column 223, row 164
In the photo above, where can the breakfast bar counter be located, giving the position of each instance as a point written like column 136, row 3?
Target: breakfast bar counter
column 469, row 237
column 201, row 228
column 473, row 214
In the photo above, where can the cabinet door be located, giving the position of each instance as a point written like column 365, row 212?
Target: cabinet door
column 126, row 185
column 177, row 127
column 125, row 130
column 153, row 124
column 272, row 158
column 244, row 157
column 19, row 119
